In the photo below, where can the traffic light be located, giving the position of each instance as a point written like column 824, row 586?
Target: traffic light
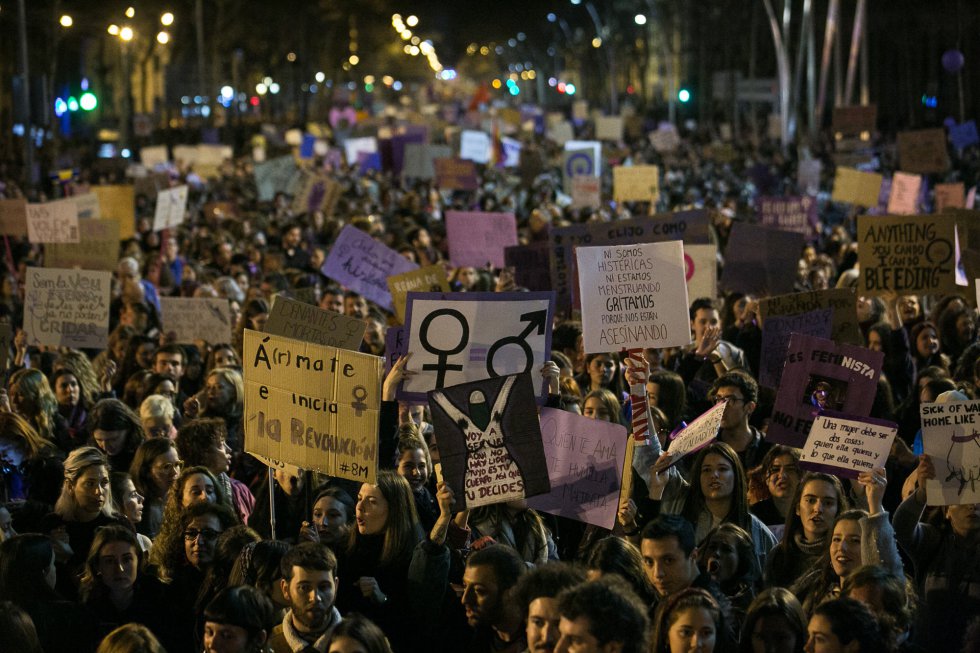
column 684, row 96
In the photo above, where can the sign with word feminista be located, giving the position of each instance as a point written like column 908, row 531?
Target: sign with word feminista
column 312, row 406
column 845, row 445
column 462, row 337
column 951, row 439
column 67, row 308
column 633, row 296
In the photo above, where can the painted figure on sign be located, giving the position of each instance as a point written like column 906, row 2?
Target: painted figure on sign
column 960, row 464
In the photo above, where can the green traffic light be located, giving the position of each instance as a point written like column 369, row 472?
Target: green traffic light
column 88, row 101
column 684, row 95
column 72, row 104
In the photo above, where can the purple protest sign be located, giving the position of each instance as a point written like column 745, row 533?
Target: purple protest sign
column 396, row 346
column 367, row 161
column 776, row 331
column 476, row 238
column 964, row 135
column 306, row 146
column 821, row 375
column 363, row 264
column 796, row 214
column 415, row 134
column 585, row 465
column 532, row 265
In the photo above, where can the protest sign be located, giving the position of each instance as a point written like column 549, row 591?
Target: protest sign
column 854, row 120
column 586, row 192
column 53, row 222
column 843, row 301
column 431, row 278
column 419, row 162
column 699, row 433
column 490, row 440
column 904, row 194
column 364, row 264
column 87, row 205
column 561, row 132
column 290, row 318
column 354, row 147
column 701, row 270
column 13, row 217
column 821, row 375
column 906, row 254
column 475, row 146
column 455, row 174
column 633, row 296
column 171, row 208
column 315, row 191
column 532, row 267
column 97, row 248
column 588, row 163
column 797, row 214
column 636, row 183
column 586, row 459
column 665, row 139
column 950, row 196
column 580, row 109
column 196, row 318
column 154, row 155
column 964, row 135
column 609, row 128
column 689, row 226
column 776, row 331
column 856, row 187
column 477, row 238
column 275, row 176
column 846, row 445
column 923, row 151
column 808, row 176
column 118, row 203
column 67, row 308
column 312, row 406
column 396, row 346
column 951, row 439
column 461, row 337
column 761, row 261
column 510, row 155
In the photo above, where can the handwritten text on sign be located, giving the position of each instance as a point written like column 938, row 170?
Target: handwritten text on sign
column 951, row 439
column 431, row 278
column 53, row 222
column 67, row 308
column 907, row 254
column 462, row 337
column 699, row 433
column 312, row 406
column 364, row 265
column 196, row 318
column 294, row 319
column 633, row 296
column 585, row 464
column 171, row 208
column 844, row 445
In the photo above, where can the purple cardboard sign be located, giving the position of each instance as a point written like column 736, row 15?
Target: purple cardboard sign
column 532, row 265
column 476, row 238
column 367, row 161
column 821, row 375
column 585, row 465
column 455, row 174
column 363, row 264
column 461, row 337
column 396, row 345
column 797, row 214
column 964, row 135
column 761, row 261
column 776, row 331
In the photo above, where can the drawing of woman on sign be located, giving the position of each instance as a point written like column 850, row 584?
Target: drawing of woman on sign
column 491, row 473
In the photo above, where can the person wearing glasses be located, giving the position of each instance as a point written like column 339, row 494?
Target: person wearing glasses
column 155, row 467
column 740, row 392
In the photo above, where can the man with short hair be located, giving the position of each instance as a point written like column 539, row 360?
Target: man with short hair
column 309, row 585
column 537, row 596
column 602, row 616
column 490, row 574
column 740, row 392
column 670, row 554
column 710, row 356
column 355, row 305
column 169, row 359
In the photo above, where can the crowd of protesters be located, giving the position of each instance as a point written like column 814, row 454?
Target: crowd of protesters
column 134, row 520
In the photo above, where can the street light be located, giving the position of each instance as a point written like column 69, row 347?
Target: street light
column 126, row 33
column 163, row 38
column 66, row 21
column 167, row 19
column 640, row 19
column 412, row 21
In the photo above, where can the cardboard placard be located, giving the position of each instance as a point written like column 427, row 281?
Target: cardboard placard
column 431, row 278
column 609, row 128
column 118, row 203
column 665, row 139
column 701, row 270
column 633, row 296
column 586, row 192
column 797, row 214
column 907, row 254
column 278, row 175
column 67, row 308
column 638, row 183
column 490, row 440
column 532, row 267
column 312, row 406
column 950, row 196
column 586, row 459
column 171, row 208
column 88, row 206
column 776, row 331
column 842, row 301
column 821, row 375
column 294, row 319
column 475, row 146
column 951, row 439
column 699, row 433
column 846, row 445
column 461, row 337
column 477, row 238
column 53, row 222
column 853, row 120
column 923, row 151
column 13, row 217
column 689, row 226
column 856, row 187
column 904, row 196
column 153, row 155
column 97, row 249
column 196, row 318
column 761, row 261
column 561, row 132
column 419, row 162
column 364, row 264
column 808, row 176
column 456, row 174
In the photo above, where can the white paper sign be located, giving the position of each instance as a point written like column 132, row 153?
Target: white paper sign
column 904, row 194
column 845, row 445
column 353, row 146
column 88, row 206
column 511, row 152
column 609, row 128
column 53, row 222
column 561, row 132
column 951, row 439
column 701, row 270
column 474, row 146
column 171, row 208
column 633, row 296
column 699, row 433
column 196, row 318
column 153, row 155
column 665, row 139
column 596, row 148
column 67, row 308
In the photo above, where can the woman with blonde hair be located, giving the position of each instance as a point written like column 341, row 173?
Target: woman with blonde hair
column 131, row 638
column 30, row 463
column 31, row 397
column 157, row 416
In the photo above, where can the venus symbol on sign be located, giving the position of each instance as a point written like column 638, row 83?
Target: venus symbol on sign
column 578, row 164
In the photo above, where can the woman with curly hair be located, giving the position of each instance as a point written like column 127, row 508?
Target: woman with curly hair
column 31, row 398
column 727, row 555
column 193, row 485
column 202, row 442
column 845, row 626
column 91, row 386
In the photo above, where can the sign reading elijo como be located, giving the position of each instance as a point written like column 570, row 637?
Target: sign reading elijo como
column 312, row 406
